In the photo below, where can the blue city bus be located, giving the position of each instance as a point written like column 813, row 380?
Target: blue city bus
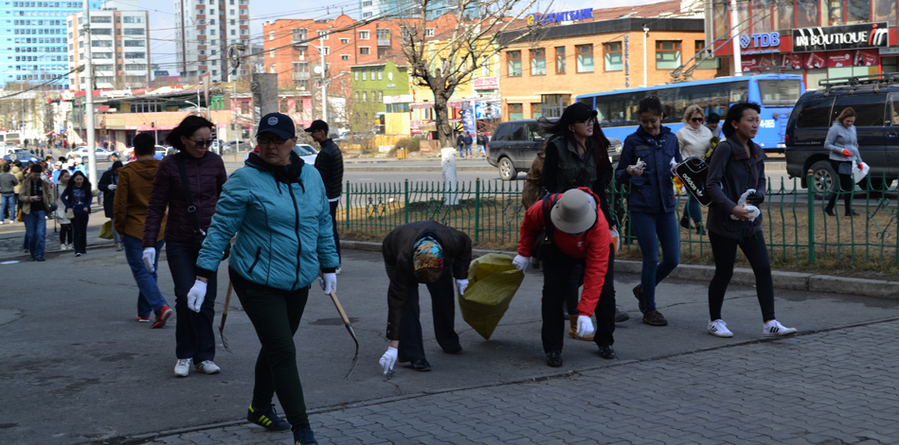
column 775, row 93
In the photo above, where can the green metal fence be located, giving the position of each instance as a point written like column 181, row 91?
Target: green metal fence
column 795, row 226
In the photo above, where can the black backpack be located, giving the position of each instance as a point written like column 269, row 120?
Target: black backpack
column 545, row 235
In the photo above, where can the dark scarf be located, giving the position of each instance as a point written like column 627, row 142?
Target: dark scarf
column 286, row 174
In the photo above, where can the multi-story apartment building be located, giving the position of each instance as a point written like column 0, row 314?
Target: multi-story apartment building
column 387, row 9
column 205, row 30
column 120, row 47
column 33, row 41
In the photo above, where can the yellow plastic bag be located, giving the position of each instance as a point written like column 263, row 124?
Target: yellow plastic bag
column 106, row 230
column 492, row 282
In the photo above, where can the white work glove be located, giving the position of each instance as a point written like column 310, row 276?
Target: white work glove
column 111, row 187
column 520, row 262
column 196, row 296
column 388, row 360
column 461, row 285
column 584, row 326
column 150, row 258
column 328, row 282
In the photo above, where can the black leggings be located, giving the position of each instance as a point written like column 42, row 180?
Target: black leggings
column 275, row 315
column 847, row 185
column 65, row 232
column 79, row 228
column 725, row 252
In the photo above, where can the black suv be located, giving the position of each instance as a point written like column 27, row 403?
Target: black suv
column 515, row 145
column 875, row 99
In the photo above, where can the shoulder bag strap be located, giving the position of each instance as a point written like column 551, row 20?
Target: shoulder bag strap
column 191, row 208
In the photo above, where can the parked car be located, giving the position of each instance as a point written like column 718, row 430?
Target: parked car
column 875, row 99
column 236, row 147
column 515, row 145
column 23, row 155
column 306, row 152
column 82, row 152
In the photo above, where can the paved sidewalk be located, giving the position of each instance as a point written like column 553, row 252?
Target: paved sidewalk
column 832, row 387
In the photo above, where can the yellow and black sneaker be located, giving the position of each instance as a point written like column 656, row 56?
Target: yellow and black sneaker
column 304, row 436
column 267, row 419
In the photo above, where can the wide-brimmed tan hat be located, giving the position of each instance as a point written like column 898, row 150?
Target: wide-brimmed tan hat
column 573, row 212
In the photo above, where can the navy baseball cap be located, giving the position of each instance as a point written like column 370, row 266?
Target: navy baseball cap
column 317, row 125
column 280, row 125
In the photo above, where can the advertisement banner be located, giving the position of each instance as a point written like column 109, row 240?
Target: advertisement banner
column 486, row 83
column 791, row 61
column 757, row 62
column 865, row 35
column 813, row 61
column 867, row 57
column 839, row 59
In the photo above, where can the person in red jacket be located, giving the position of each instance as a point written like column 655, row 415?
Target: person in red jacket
column 580, row 236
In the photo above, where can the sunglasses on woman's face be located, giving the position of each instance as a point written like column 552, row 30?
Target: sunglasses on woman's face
column 697, row 119
column 202, row 143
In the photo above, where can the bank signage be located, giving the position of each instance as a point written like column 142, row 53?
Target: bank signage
column 555, row 17
column 769, row 40
column 867, row 35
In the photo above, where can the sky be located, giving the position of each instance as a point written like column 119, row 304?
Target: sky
column 162, row 31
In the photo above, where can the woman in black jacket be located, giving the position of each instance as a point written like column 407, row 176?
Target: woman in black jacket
column 738, row 165
column 108, row 183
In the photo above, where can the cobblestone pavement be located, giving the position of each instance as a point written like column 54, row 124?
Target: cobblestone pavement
column 832, row 387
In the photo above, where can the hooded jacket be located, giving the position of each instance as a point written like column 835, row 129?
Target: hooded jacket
column 283, row 226
column 593, row 245
column 329, row 164
column 398, row 248
column 653, row 191
column 205, row 176
column 132, row 196
column 732, row 172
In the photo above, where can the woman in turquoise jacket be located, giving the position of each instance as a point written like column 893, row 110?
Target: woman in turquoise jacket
column 277, row 207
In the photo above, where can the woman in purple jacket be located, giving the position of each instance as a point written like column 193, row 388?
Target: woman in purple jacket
column 185, row 230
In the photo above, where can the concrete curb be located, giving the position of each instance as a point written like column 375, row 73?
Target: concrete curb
column 782, row 280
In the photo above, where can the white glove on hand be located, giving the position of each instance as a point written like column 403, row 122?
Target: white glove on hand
column 461, row 285
column 584, row 326
column 328, row 282
column 520, row 262
column 388, row 360
column 111, row 187
column 150, row 258
column 196, row 296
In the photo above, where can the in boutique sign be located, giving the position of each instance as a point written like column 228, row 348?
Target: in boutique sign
column 867, row 35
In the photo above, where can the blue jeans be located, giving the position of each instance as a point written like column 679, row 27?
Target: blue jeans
column 149, row 298
column 468, row 150
column 194, row 336
column 36, row 232
column 8, row 204
column 461, row 153
column 691, row 209
column 651, row 230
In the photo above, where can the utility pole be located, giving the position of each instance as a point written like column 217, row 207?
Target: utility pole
column 735, row 38
column 89, row 100
column 321, row 50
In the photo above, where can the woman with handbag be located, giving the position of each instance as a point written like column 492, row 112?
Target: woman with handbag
column 66, row 236
column 738, row 166
column 842, row 141
column 188, row 184
column 77, row 199
column 577, row 156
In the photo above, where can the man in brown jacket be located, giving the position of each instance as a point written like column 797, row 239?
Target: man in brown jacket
column 439, row 256
column 36, row 199
column 130, row 210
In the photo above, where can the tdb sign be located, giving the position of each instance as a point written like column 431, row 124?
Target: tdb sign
column 762, row 40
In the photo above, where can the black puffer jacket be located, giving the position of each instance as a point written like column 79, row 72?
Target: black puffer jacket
column 329, row 164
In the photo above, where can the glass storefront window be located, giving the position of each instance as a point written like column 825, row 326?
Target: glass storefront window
column 858, row 11
column 831, row 12
column 783, row 15
column 807, row 13
column 885, row 11
column 761, row 16
column 742, row 16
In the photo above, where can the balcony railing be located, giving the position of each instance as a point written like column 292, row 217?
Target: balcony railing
column 383, row 41
column 301, row 75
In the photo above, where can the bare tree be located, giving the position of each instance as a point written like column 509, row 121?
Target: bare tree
column 443, row 62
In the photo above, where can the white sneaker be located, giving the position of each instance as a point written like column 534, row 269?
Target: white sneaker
column 718, row 328
column 182, row 367
column 773, row 328
column 208, row 367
